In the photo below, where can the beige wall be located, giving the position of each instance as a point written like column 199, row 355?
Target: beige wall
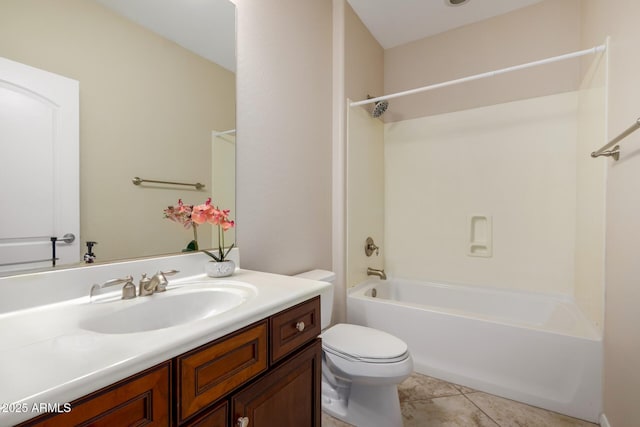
column 548, row 28
column 148, row 108
column 284, row 134
column 364, row 66
column 365, row 193
column 618, row 18
column 591, row 191
column 364, row 60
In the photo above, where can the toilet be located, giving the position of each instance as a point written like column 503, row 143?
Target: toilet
column 361, row 368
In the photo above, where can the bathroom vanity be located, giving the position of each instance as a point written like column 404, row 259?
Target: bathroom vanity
column 265, row 374
column 256, row 364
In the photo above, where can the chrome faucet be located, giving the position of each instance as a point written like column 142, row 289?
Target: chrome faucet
column 128, row 290
column 158, row 283
column 373, row 272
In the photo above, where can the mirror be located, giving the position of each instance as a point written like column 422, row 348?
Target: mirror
column 150, row 107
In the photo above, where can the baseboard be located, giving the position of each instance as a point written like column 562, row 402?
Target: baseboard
column 604, row 422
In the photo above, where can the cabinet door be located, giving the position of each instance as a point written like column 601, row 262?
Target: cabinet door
column 288, row 396
column 143, row 399
column 208, row 373
column 217, row 417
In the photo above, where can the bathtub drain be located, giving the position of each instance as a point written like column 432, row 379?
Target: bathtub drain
column 374, row 292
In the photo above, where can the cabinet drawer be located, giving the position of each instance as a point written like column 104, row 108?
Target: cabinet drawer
column 142, row 399
column 292, row 328
column 215, row 418
column 209, row 372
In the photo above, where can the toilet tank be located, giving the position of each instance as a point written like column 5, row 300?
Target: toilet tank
column 326, row 297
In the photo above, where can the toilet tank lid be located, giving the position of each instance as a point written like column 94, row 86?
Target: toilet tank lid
column 321, row 275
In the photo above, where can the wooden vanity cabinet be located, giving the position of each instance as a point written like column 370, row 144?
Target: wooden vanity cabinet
column 143, row 399
column 288, row 393
column 268, row 373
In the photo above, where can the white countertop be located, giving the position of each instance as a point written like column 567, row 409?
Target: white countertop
column 46, row 357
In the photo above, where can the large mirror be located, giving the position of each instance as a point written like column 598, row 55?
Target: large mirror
column 157, row 101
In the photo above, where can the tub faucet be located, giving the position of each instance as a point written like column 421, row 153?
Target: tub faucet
column 373, row 272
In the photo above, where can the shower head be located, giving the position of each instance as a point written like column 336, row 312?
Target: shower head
column 379, row 108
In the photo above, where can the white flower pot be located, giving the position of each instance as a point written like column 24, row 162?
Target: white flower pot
column 220, row 269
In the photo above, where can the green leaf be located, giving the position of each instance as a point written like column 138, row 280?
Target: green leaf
column 192, row 246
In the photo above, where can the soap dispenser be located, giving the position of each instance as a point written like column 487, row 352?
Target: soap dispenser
column 89, row 256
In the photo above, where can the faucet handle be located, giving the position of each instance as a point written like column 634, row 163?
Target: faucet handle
column 116, row 281
column 126, row 289
column 370, row 247
column 169, row 272
column 162, row 283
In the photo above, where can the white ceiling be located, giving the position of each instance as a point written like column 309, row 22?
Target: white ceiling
column 205, row 27
column 395, row 22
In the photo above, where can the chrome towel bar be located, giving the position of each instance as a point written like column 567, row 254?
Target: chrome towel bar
column 137, row 181
column 615, row 151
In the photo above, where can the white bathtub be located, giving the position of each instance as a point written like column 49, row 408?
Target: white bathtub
column 533, row 348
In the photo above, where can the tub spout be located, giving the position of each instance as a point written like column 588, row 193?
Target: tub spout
column 373, row 272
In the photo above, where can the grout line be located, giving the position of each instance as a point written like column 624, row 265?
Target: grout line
column 480, row 409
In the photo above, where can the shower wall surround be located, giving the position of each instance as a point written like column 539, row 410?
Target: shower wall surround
column 515, row 162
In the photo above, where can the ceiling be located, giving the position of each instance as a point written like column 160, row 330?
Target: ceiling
column 206, row 28
column 396, row 22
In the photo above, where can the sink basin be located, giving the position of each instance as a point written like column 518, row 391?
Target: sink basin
column 164, row 310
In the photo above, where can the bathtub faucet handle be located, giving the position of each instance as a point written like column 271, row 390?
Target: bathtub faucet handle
column 370, row 247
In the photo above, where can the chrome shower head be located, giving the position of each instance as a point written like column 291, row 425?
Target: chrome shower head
column 379, row 108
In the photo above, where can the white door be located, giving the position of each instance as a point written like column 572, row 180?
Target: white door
column 39, row 169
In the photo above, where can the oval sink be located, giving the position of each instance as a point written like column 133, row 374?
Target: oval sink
column 164, row 310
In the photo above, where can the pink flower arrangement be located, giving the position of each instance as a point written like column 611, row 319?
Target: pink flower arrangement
column 191, row 216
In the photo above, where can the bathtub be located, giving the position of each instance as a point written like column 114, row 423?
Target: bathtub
column 528, row 347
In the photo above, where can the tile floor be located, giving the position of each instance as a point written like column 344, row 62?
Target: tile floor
column 429, row 402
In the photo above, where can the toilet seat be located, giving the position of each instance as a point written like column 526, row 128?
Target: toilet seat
column 362, row 344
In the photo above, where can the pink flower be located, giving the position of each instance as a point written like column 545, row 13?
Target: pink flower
column 227, row 224
column 203, row 213
column 180, row 213
column 192, row 216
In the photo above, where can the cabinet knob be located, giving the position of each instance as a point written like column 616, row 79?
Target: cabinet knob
column 300, row 326
column 243, row 422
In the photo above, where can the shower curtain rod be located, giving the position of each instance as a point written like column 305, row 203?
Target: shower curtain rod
column 596, row 49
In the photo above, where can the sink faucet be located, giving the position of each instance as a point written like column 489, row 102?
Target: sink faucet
column 373, row 272
column 128, row 290
column 158, row 283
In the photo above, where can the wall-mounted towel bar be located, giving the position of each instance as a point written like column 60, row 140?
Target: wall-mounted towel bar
column 615, row 151
column 137, row 181
column 35, row 261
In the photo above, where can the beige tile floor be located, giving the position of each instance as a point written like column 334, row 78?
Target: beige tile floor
column 429, row 402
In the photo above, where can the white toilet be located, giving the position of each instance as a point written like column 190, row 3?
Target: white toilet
column 361, row 368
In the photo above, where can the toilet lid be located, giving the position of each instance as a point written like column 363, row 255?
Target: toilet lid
column 362, row 343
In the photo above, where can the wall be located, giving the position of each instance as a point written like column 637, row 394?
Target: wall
column 364, row 60
column 591, row 191
column 145, row 102
column 284, row 134
column 365, row 193
column 539, row 31
column 618, row 19
column 514, row 163
column 364, row 65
